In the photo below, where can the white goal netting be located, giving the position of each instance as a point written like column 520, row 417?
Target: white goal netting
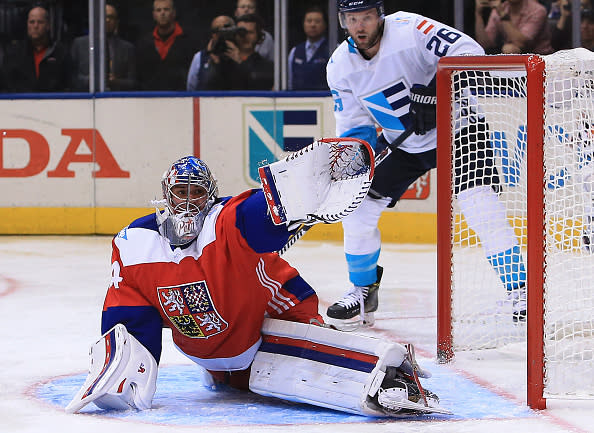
column 487, row 273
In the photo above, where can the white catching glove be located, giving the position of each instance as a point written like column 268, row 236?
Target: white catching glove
column 323, row 182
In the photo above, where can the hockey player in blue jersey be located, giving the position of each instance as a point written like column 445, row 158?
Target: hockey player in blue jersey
column 384, row 74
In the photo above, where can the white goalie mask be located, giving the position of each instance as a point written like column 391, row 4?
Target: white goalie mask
column 189, row 190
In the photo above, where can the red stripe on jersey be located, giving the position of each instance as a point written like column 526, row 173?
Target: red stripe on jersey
column 304, row 344
column 420, row 26
column 428, row 29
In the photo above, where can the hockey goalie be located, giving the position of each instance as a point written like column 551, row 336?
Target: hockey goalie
column 207, row 268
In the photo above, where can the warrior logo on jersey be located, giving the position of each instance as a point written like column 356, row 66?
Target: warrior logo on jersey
column 191, row 310
column 389, row 106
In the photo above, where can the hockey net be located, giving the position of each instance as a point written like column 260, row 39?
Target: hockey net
column 540, row 117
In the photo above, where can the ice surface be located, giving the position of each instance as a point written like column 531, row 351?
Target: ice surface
column 51, row 293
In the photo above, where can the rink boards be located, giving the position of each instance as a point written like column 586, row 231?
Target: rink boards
column 84, row 166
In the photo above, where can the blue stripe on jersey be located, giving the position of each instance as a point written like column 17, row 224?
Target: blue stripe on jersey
column 257, row 227
column 351, row 45
column 366, row 132
column 391, row 91
column 148, row 222
column 299, row 288
column 144, row 322
column 325, row 358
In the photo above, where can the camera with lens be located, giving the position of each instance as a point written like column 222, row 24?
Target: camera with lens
column 227, row 34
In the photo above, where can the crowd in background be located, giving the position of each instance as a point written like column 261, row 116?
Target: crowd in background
column 198, row 45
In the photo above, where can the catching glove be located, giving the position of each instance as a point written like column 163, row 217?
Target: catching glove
column 423, row 104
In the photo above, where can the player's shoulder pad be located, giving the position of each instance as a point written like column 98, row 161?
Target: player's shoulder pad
column 223, row 200
column 405, row 20
column 147, row 222
column 344, row 52
column 341, row 63
column 401, row 18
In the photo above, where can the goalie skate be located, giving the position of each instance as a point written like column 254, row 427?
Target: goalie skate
column 349, row 306
column 399, row 395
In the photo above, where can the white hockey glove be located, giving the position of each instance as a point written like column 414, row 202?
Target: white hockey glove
column 122, row 374
column 323, row 182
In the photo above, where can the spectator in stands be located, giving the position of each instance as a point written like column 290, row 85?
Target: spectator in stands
column 587, row 29
column 37, row 64
column 265, row 46
column 514, row 27
column 120, row 57
column 202, row 63
column 164, row 56
column 307, row 61
column 561, row 33
column 235, row 65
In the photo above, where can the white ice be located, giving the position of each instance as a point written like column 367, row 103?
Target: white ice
column 51, row 295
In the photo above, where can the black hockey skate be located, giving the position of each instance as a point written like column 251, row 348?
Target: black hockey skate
column 399, row 395
column 350, row 304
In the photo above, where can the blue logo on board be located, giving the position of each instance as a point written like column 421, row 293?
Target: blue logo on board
column 271, row 132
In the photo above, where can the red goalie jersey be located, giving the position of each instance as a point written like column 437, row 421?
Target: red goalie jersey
column 213, row 293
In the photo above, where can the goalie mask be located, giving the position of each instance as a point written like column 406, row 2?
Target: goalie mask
column 189, row 190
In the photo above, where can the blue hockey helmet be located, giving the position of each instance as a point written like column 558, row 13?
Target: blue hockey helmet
column 188, row 206
column 357, row 6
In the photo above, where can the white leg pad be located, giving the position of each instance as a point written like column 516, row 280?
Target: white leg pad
column 321, row 366
column 486, row 215
column 122, row 374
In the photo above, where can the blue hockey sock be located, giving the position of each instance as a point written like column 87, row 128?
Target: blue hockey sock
column 363, row 268
column 509, row 265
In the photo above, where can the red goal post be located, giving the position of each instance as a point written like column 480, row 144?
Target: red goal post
column 540, row 116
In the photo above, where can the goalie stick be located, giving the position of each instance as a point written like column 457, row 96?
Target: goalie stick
column 303, row 228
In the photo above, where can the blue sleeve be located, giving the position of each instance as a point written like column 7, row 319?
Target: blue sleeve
column 299, row 288
column 366, row 132
column 193, row 72
column 144, row 322
column 256, row 226
column 290, row 68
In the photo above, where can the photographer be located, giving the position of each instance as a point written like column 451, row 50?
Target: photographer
column 202, row 61
column 230, row 61
column 561, row 38
column 587, row 29
column 513, row 27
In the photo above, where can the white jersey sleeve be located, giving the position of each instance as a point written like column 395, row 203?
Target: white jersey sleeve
column 375, row 92
column 352, row 120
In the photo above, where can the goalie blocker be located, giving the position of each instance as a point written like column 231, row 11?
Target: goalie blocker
column 296, row 362
column 122, row 374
